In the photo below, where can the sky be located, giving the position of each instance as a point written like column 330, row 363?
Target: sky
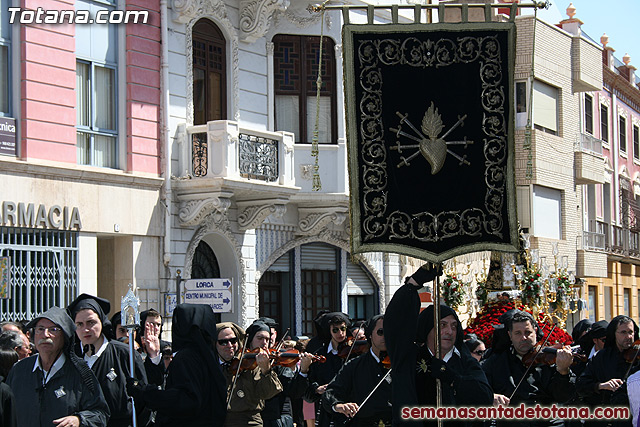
column 618, row 18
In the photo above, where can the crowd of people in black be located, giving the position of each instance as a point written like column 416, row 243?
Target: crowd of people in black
column 71, row 367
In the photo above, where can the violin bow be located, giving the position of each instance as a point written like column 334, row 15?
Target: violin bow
column 369, row 396
column 352, row 345
column 235, row 378
column 280, row 343
column 532, row 362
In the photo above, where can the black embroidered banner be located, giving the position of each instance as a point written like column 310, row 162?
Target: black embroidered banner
column 430, row 138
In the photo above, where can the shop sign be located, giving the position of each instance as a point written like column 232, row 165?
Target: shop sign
column 31, row 215
column 8, row 136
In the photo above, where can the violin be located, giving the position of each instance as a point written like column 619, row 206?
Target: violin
column 547, row 355
column 352, row 347
column 287, row 358
column 632, row 354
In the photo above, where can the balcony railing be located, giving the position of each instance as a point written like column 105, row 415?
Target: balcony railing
column 590, row 143
column 221, row 149
column 594, row 241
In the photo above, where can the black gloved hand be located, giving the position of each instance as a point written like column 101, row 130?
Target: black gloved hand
column 438, row 369
column 427, row 273
column 135, row 388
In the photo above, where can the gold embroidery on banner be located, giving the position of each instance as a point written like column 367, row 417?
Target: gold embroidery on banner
column 426, row 226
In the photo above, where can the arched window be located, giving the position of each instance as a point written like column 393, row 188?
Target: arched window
column 209, row 73
column 205, row 264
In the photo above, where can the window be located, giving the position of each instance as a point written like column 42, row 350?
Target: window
column 359, row 307
column 627, row 300
column 296, row 70
column 604, row 123
column 5, row 62
column 521, row 97
column 209, row 73
column 636, row 142
column 96, row 114
column 588, row 114
column 319, row 288
column 545, row 107
column 623, row 134
column 547, row 212
column 593, row 303
column 96, row 90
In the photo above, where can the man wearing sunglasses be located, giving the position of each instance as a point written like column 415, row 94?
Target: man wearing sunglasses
column 359, row 377
column 321, row 374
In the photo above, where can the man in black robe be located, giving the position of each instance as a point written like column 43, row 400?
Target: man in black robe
column 358, row 378
column 410, row 340
column 603, row 382
column 543, row 384
column 335, row 326
column 195, row 391
column 151, row 327
column 109, row 359
column 55, row 387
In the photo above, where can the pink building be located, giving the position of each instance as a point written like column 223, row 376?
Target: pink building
column 81, row 155
column 611, row 119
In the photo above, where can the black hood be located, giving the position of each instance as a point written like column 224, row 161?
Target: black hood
column 190, row 324
column 425, row 325
column 254, row 328
column 582, row 326
column 613, row 325
column 371, row 325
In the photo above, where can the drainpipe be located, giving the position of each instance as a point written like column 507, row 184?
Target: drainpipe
column 164, row 114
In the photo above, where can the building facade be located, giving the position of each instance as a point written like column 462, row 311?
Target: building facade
column 81, row 165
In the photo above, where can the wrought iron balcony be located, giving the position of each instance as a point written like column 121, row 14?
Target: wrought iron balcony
column 220, row 161
column 222, row 149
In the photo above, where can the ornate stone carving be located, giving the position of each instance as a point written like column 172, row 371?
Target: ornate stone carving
column 217, row 13
column 186, row 10
column 255, row 16
column 302, row 21
column 254, row 215
column 306, row 172
column 192, row 212
column 316, row 221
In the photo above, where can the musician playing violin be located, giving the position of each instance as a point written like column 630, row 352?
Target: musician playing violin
column 358, row 379
column 542, row 384
column 603, row 382
column 275, row 412
column 320, row 374
column 248, row 389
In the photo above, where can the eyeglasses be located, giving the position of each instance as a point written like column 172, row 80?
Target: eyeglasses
column 231, row 341
column 341, row 328
column 479, row 352
column 52, row 330
column 380, row 332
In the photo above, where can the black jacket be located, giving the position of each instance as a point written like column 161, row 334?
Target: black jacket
column 413, row 382
column 353, row 383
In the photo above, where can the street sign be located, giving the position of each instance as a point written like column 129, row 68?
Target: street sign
column 217, row 293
